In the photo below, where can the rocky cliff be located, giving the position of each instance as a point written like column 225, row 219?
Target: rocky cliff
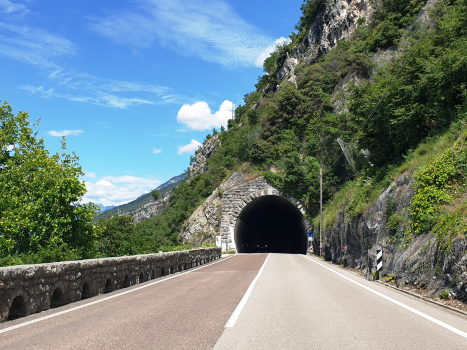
column 337, row 21
column 420, row 264
column 204, row 224
column 149, row 210
column 206, row 152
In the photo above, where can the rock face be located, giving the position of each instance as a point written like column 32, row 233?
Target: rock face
column 204, row 224
column 29, row 289
column 149, row 210
column 420, row 264
column 199, row 166
column 336, row 22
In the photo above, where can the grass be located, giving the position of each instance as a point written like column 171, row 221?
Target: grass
column 357, row 196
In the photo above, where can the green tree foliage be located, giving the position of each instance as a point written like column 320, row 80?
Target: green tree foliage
column 288, row 133
column 437, row 184
column 155, row 194
column 116, row 236
column 40, row 194
column 418, row 95
column 310, row 9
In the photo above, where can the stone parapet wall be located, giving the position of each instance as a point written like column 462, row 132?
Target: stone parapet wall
column 28, row 289
column 237, row 198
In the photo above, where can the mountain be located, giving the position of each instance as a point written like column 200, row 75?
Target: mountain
column 142, row 200
column 173, row 181
column 105, row 208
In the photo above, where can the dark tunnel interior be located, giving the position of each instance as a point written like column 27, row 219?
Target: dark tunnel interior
column 271, row 224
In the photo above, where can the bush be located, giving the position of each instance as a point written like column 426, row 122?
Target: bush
column 444, row 295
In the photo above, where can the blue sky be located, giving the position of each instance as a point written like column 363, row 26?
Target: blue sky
column 134, row 85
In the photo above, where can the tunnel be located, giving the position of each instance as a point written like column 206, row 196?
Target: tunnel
column 271, row 224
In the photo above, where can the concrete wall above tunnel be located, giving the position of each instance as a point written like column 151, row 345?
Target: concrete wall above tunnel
column 260, row 217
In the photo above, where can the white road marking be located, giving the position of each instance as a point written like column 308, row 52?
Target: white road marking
column 411, row 309
column 104, row 299
column 233, row 318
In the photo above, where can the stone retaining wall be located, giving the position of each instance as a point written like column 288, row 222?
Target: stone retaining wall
column 28, row 289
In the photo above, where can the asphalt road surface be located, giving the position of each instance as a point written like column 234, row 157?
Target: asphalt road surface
column 258, row 301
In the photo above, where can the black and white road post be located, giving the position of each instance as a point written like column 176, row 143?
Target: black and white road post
column 379, row 261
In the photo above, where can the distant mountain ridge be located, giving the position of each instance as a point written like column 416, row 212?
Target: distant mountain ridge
column 142, row 200
column 104, row 208
column 173, row 180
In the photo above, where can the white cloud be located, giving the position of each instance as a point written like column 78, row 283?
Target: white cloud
column 104, row 183
column 8, row 7
column 190, row 148
column 65, row 133
column 156, row 151
column 268, row 51
column 112, row 190
column 46, row 50
column 200, row 117
column 33, row 45
column 134, row 180
column 103, row 92
column 209, row 29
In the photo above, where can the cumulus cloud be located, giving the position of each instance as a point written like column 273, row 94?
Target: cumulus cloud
column 156, row 151
column 268, row 51
column 190, row 148
column 114, row 190
column 65, row 132
column 200, row 117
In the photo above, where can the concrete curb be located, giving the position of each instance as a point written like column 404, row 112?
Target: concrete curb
column 423, row 298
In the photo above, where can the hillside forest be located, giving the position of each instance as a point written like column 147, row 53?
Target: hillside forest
column 407, row 113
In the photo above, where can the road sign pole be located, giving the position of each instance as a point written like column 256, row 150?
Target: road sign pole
column 321, row 211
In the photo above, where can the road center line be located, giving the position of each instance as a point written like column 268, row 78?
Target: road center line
column 411, row 309
column 105, row 299
column 233, row 318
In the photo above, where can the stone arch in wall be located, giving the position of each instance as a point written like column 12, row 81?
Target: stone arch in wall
column 258, row 217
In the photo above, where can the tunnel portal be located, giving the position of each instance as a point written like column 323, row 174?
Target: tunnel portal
column 271, row 224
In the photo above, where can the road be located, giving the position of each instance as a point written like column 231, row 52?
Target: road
column 295, row 303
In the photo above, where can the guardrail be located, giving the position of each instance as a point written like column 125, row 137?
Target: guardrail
column 27, row 289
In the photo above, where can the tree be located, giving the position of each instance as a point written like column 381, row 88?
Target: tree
column 39, row 194
column 116, row 236
column 156, row 195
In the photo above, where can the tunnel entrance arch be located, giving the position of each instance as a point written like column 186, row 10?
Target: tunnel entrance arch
column 271, row 224
column 259, row 214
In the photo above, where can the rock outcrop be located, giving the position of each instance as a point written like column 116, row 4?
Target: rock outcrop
column 204, row 224
column 336, row 22
column 149, row 210
column 420, row 264
column 206, row 152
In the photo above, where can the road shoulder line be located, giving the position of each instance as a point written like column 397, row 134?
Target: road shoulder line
column 238, row 310
column 106, row 298
column 400, row 290
column 421, row 297
column 411, row 309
